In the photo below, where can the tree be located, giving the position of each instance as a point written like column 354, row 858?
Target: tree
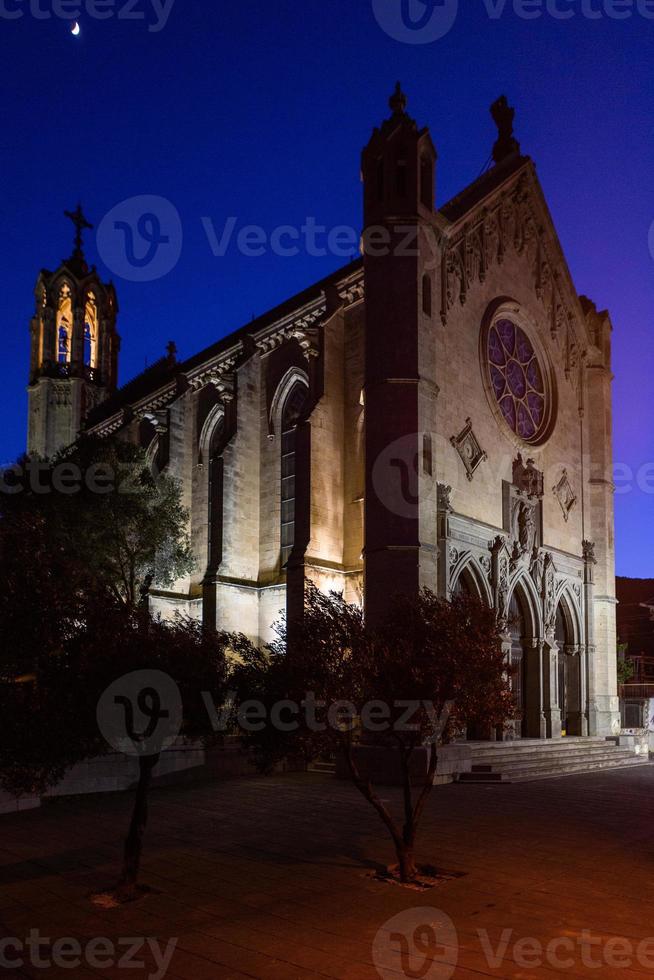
column 81, row 539
column 122, row 683
column 413, row 684
column 106, row 511
column 626, row 666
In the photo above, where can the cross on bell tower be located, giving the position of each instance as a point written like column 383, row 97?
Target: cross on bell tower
column 80, row 222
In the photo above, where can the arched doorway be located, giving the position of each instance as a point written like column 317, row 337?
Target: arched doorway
column 517, row 659
column 467, row 584
column 569, row 673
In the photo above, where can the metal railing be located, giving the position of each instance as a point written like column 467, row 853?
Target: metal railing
column 637, row 691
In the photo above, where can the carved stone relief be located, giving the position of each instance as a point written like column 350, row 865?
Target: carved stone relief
column 565, row 495
column 468, row 448
column 511, row 221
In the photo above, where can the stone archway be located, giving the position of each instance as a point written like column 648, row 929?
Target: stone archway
column 517, row 656
column 525, row 651
column 470, row 581
column 570, row 679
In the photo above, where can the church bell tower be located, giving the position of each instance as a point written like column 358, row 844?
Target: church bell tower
column 399, row 169
column 74, row 349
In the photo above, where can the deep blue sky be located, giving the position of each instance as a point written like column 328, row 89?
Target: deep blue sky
column 259, row 110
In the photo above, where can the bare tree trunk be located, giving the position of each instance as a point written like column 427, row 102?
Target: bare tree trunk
column 134, row 840
column 404, row 853
column 412, row 814
column 407, row 863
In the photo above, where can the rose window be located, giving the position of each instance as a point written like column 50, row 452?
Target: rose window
column 517, row 380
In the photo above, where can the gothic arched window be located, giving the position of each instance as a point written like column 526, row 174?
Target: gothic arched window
column 215, row 521
column 63, row 347
column 64, row 324
column 91, row 332
column 88, row 345
column 426, row 295
column 290, row 414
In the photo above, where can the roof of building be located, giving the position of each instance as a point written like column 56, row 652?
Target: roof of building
column 482, row 187
column 635, row 591
column 163, row 371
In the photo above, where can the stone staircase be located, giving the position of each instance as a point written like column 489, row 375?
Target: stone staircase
column 327, row 768
column 529, row 759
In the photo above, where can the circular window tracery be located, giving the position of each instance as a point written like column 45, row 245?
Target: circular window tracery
column 517, row 380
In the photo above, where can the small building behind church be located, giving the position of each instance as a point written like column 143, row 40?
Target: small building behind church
column 437, row 414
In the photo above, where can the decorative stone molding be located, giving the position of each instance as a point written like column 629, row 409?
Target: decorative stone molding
column 514, row 221
column 522, row 511
column 62, row 395
column 468, row 448
column 216, row 373
column 549, row 595
column 527, row 478
column 588, row 551
column 499, row 575
column 524, row 529
column 565, row 495
column 444, row 497
column 302, row 327
column 308, row 339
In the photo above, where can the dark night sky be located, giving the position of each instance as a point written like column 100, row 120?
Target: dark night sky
column 259, row 110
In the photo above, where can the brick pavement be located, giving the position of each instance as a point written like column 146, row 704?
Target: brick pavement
column 271, row 878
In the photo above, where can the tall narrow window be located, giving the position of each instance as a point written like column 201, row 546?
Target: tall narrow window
column 91, row 332
column 88, row 345
column 426, row 295
column 215, row 522
column 290, row 415
column 63, row 350
column 64, row 330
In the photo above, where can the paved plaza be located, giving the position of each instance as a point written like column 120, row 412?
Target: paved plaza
column 272, row 878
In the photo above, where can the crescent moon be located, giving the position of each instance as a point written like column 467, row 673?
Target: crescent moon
column 75, row 29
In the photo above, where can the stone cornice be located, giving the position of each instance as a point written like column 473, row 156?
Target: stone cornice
column 300, row 325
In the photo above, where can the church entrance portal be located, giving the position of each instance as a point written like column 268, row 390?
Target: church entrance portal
column 569, row 675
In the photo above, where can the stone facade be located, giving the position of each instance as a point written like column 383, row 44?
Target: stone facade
column 454, row 432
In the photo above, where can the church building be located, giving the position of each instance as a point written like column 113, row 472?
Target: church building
column 437, row 414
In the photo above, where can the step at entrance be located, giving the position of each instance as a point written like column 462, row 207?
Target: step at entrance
column 529, row 759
